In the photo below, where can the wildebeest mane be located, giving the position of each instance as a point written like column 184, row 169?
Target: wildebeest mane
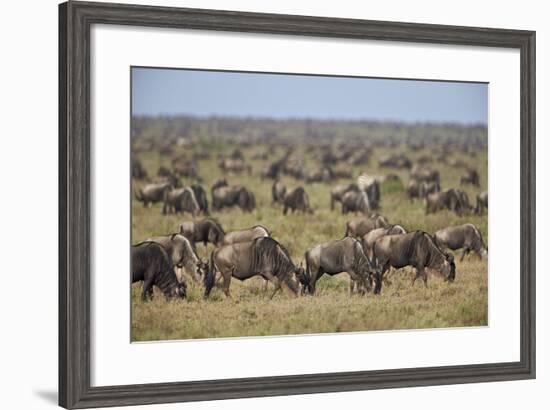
column 267, row 251
column 165, row 277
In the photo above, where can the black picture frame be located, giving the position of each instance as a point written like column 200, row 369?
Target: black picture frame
column 75, row 20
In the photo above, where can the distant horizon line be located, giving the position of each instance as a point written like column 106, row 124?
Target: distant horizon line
column 319, row 119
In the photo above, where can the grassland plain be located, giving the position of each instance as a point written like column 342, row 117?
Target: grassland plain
column 250, row 312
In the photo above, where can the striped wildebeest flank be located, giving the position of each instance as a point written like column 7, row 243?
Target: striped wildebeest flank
column 471, row 177
column 370, row 238
column 371, row 186
column 152, row 265
column 417, row 249
column 344, row 255
column 466, row 237
column 205, row 230
column 152, row 193
column 338, row 192
column 278, row 191
column 264, row 257
column 357, row 228
column 180, row 200
column 355, row 201
column 201, row 197
column 420, row 189
column 245, row 235
column 297, row 199
column 183, row 255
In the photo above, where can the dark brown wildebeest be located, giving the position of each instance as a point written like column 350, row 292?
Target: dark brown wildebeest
column 337, row 193
column 482, row 202
column 138, row 171
column 245, row 235
column 420, row 189
column 355, row 201
column 200, row 196
column 278, row 191
column 296, row 200
column 466, row 237
column 152, row 265
column 357, row 228
column 417, row 249
column 205, row 230
column 344, row 255
column 471, row 177
column 152, row 193
column 455, row 200
column 263, row 257
column 226, row 196
column 370, row 238
column 421, row 173
column 180, row 200
column 325, row 174
column 395, row 161
column 183, row 255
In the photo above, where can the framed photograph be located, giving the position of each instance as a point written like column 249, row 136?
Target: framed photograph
column 259, row 205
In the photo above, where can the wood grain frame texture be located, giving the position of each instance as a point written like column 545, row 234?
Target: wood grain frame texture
column 75, row 19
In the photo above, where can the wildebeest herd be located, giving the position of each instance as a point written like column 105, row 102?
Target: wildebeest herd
column 296, row 213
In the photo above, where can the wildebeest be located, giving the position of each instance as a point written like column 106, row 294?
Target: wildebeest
column 296, row 200
column 395, row 161
column 420, row 189
column 180, row 200
column 471, row 177
column 205, row 230
column 337, row 193
column 187, row 169
column 225, row 196
column 152, row 265
column 344, row 255
column 455, row 200
column 422, row 173
column 482, row 202
column 200, row 196
column 278, row 191
column 355, row 201
column 152, row 193
column 358, row 228
column 324, row 174
column 371, row 187
column 183, row 255
column 263, row 257
column 370, row 238
column 417, row 249
column 245, row 235
column 466, row 237
column 235, row 165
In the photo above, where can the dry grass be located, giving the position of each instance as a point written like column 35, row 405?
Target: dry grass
column 250, row 312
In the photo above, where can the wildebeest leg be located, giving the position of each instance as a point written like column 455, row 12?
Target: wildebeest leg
column 464, row 251
column 147, row 291
column 226, row 282
column 356, row 279
column 351, row 286
column 425, row 277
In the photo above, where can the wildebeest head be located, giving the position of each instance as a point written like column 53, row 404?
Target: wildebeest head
column 202, row 270
column 449, row 267
column 303, row 279
column 375, row 276
column 215, row 234
column 181, row 290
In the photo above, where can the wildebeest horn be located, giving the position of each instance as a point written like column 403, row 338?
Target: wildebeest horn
column 173, row 236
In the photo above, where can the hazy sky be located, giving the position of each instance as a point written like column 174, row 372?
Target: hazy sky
column 207, row 93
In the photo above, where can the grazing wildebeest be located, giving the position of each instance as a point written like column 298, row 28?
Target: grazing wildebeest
column 466, row 237
column 325, row 174
column 355, row 202
column 152, row 193
column 395, row 161
column 226, row 196
column 245, row 235
column 235, row 165
column 482, row 202
column 420, row 189
column 296, row 200
column 152, row 265
column 200, row 196
column 183, row 255
column 180, row 200
column 263, row 257
column 455, row 200
column 416, row 249
column 471, row 177
column 344, row 255
column 278, row 191
column 205, row 230
column 337, row 193
column 370, row 238
column 186, row 169
column 358, row 228
column 371, row 187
